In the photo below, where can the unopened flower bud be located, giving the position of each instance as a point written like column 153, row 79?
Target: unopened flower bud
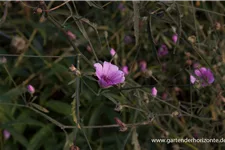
column 192, row 39
column 6, row 134
column 71, row 35
column 30, row 89
column 125, row 70
column 175, row 38
column 143, row 65
column 39, row 10
column 123, row 126
column 74, row 70
column 154, row 92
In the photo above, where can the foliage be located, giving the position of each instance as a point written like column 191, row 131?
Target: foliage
column 39, row 41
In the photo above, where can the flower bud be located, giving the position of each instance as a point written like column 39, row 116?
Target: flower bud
column 125, row 70
column 175, row 38
column 30, row 89
column 123, row 126
column 154, row 92
column 71, row 35
column 6, row 134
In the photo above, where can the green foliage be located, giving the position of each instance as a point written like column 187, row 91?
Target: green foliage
column 41, row 40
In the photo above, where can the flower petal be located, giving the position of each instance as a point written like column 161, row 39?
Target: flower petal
column 104, row 84
column 99, row 70
column 118, row 77
column 109, row 68
column 192, row 79
column 210, row 77
column 200, row 72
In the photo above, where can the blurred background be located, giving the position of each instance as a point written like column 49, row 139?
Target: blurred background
column 157, row 44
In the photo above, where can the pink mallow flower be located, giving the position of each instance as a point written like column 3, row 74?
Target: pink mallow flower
column 175, row 38
column 203, row 75
column 108, row 74
column 143, row 65
column 154, row 92
column 125, row 70
column 163, row 50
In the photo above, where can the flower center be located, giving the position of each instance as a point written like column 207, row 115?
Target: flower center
column 106, row 79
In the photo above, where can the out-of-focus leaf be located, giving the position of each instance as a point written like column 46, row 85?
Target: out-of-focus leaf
column 41, row 108
column 39, row 138
column 135, row 141
column 43, row 34
column 59, row 107
column 72, row 81
column 109, row 96
column 11, row 94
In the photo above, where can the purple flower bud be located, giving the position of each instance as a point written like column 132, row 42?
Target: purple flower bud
column 6, row 134
column 154, row 92
column 125, row 70
column 143, row 65
column 30, row 89
column 71, row 35
column 128, row 39
column 112, row 52
column 163, row 50
column 122, row 125
column 175, row 38
column 196, row 65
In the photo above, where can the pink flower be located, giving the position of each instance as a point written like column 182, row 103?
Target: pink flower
column 125, row 70
column 175, row 38
column 163, row 50
column 203, row 75
column 112, row 52
column 154, row 92
column 71, row 35
column 143, row 65
column 6, row 134
column 30, row 89
column 108, row 74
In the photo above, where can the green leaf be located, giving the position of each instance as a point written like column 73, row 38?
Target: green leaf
column 38, row 139
column 41, row 108
column 109, row 96
column 59, row 107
